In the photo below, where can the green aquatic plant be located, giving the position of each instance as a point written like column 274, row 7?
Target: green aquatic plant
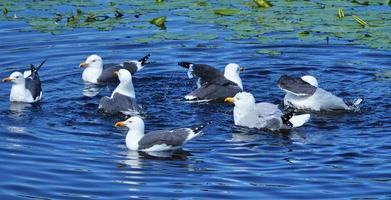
column 159, row 21
column 286, row 20
column 269, row 52
column 360, row 21
column 363, row 3
column 263, row 3
column 341, row 13
column 5, row 11
column 226, row 11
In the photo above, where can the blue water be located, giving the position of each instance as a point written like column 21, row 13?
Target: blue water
column 64, row 149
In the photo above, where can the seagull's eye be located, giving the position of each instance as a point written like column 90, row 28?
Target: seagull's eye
column 93, row 60
column 16, row 76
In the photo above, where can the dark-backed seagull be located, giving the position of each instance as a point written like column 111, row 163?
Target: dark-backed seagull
column 96, row 72
column 162, row 140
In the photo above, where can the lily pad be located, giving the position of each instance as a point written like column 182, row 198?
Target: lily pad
column 159, row 21
column 263, row 3
column 226, row 11
column 269, row 52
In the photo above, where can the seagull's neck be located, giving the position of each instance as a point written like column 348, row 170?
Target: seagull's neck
column 133, row 137
column 19, row 92
column 234, row 77
column 92, row 73
column 126, row 88
column 240, row 112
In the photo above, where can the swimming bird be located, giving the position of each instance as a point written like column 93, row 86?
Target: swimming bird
column 96, row 72
column 26, row 88
column 263, row 115
column 123, row 98
column 212, row 85
column 303, row 93
column 162, row 140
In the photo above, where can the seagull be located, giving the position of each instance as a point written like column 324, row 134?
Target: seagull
column 263, row 115
column 123, row 98
column 96, row 72
column 303, row 93
column 26, row 88
column 212, row 85
column 162, row 140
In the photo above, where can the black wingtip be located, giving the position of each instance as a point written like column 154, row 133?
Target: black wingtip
column 287, row 116
column 185, row 64
column 40, row 65
column 197, row 128
column 144, row 59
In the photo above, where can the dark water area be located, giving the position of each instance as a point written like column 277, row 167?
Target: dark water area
column 63, row 148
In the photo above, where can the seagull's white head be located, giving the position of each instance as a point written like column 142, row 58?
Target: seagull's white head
column 124, row 75
column 310, row 79
column 15, row 78
column 231, row 72
column 134, row 123
column 93, row 61
column 242, row 100
column 125, row 86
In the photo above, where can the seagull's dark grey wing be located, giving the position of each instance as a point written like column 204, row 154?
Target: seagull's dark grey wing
column 205, row 72
column 174, row 138
column 296, row 86
column 109, row 69
column 33, row 84
column 119, row 103
column 216, row 91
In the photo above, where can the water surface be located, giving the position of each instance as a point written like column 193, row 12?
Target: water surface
column 63, row 148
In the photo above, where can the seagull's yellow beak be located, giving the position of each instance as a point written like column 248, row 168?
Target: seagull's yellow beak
column 241, row 69
column 229, row 100
column 116, row 73
column 8, row 79
column 83, row 64
column 121, row 123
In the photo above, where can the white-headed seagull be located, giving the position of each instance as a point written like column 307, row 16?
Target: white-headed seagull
column 96, row 72
column 123, row 98
column 161, row 140
column 303, row 93
column 213, row 85
column 26, row 88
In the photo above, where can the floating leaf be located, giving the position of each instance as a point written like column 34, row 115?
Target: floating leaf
column 341, row 14
column 159, row 21
column 205, row 4
column 78, row 12
column 389, row 2
column 304, row 33
column 269, row 52
column 226, row 11
column 360, row 21
column 57, row 17
column 5, row 11
column 262, row 3
column 112, row 4
column 72, row 19
column 159, row 1
column 118, row 14
column 91, row 17
column 364, row 3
